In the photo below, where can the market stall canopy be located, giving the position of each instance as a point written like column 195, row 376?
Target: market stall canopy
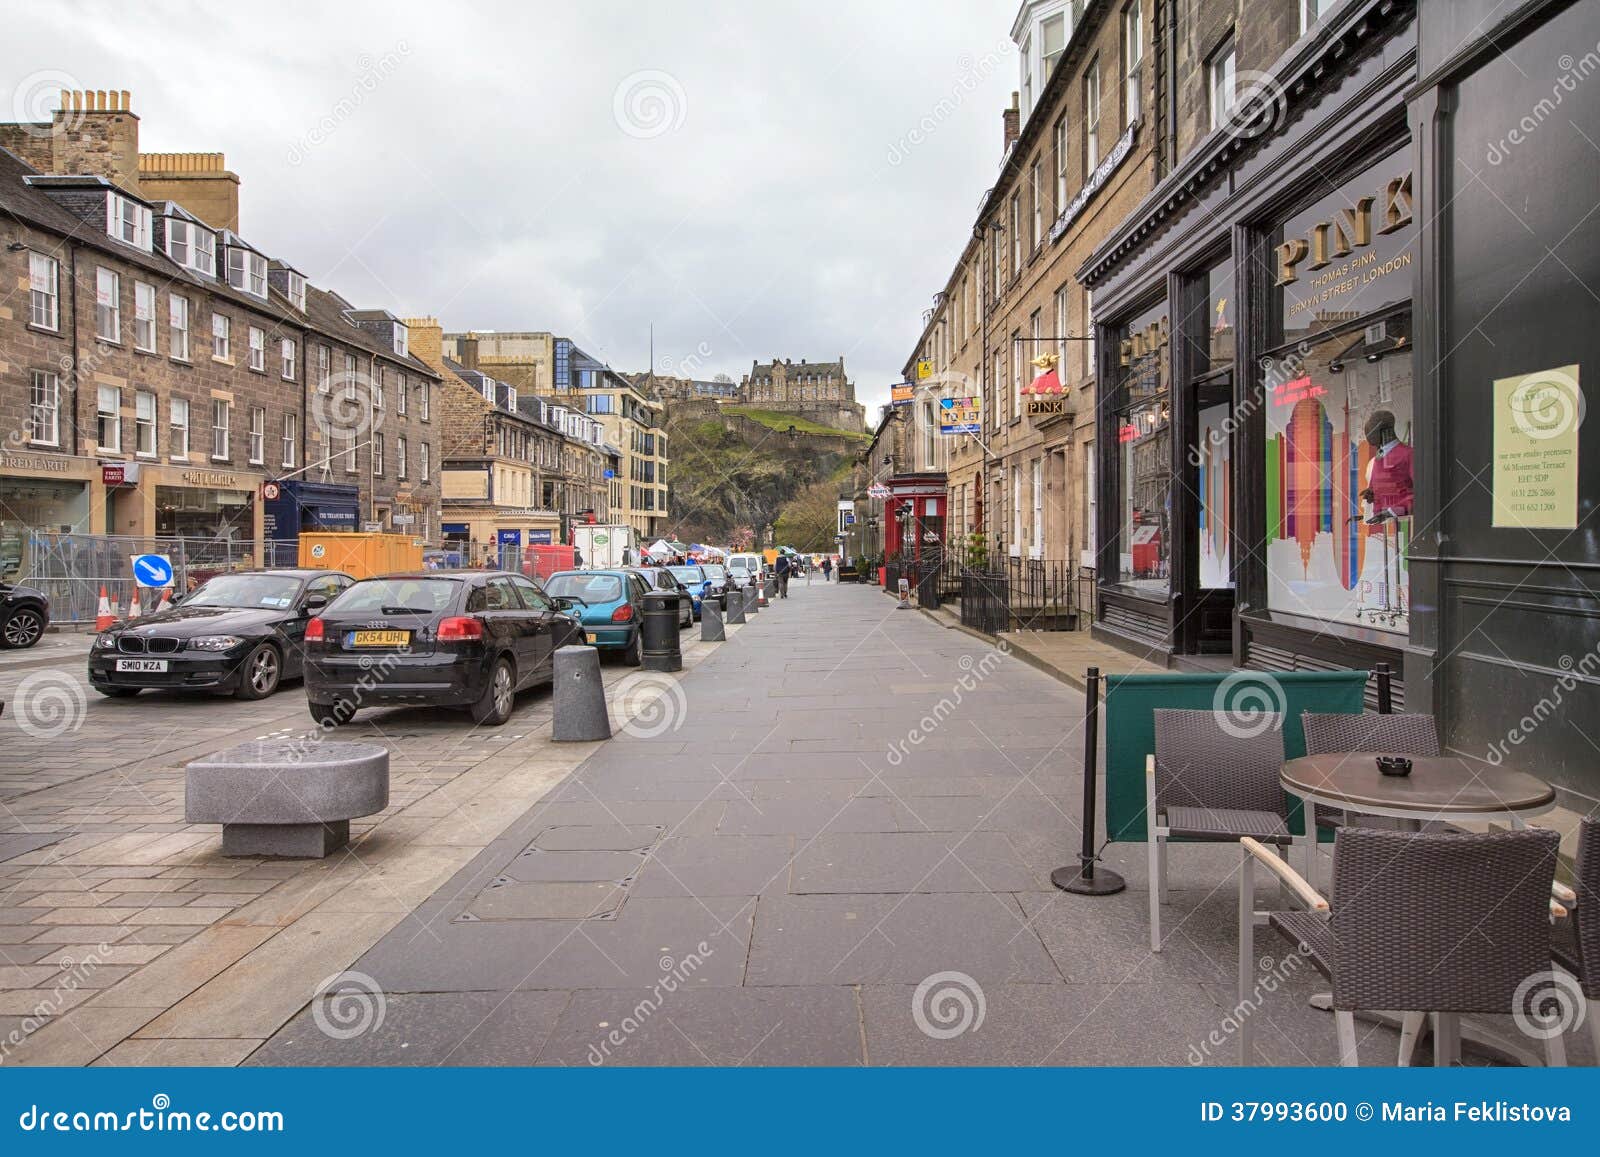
column 662, row 549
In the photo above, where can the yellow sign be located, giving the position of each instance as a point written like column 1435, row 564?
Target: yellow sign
column 1536, row 421
column 924, row 369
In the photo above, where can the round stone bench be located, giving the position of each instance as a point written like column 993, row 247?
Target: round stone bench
column 287, row 797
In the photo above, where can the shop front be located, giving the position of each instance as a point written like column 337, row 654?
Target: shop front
column 218, row 513
column 291, row 506
column 478, row 534
column 1256, row 498
column 914, row 520
column 40, row 491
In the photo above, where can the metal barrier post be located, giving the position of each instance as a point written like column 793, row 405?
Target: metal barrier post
column 1083, row 880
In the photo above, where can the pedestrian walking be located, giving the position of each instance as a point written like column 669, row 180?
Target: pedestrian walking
column 827, row 569
column 783, row 566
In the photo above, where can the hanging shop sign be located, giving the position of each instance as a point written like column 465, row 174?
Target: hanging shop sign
column 960, row 416
column 1102, row 173
column 924, row 370
column 1047, row 407
column 901, row 393
column 879, row 491
column 1536, row 422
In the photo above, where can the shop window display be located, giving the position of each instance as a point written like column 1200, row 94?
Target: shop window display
column 1144, row 453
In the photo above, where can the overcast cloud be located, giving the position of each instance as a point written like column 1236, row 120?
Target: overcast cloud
column 755, row 178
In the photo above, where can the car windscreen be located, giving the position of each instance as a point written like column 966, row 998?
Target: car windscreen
column 688, row 574
column 739, row 570
column 591, row 588
column 396, row 596
column 714, row 571
column 261, row 591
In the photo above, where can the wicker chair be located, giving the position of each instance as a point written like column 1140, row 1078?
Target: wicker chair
column 1203, row 783
column 1431, row 922
column 1577, row 938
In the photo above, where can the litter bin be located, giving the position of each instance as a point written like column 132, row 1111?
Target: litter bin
column 661, row 649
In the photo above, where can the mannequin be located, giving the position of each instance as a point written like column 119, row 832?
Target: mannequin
column 1389, row 486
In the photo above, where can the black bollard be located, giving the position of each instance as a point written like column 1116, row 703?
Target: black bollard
column 1083, row 879
column 1385, row 689
column 661, row 650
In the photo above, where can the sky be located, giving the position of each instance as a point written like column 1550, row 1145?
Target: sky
column 754, row 179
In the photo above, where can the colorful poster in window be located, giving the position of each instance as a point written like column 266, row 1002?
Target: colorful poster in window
column 1338, row 479
column 1214, row 477
column 1536, row 421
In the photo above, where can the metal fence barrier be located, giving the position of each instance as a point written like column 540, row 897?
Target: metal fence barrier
column 71, row 569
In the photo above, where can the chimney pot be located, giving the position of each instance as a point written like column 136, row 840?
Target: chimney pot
column 127, row 102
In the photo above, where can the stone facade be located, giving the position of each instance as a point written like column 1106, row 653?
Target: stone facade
column 818, row 391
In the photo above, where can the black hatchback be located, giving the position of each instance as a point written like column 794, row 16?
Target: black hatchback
column 469, row 639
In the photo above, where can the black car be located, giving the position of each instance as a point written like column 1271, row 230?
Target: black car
column 468, row 639
column 660, row 578
column 24, row 614
column 237, row 632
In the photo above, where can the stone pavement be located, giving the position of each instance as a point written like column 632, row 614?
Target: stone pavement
column 832, row 847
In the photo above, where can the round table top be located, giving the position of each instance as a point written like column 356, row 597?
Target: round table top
column 1439, row 785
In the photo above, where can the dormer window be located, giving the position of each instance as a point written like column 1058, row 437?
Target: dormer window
column 297, row 291
column 192, row 247
column 402, row 338
column 247, row 271
column 128, row 221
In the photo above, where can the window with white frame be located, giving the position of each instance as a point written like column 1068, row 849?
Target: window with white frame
column 1016, row 234
column 107, row 305
column 1038, row 508
column 1132, row 56
column 108, row 419
column 221, row 337
column 1061, row 165
column 401, row 390
column 350, row 376
column 1052, row 42
column 377, row 453
column 324, row 368
column 1036, row 223
column 44, row 409
column 1091, row 117
column 178, row 427
column 997, row 262
column 258, row 349
column 423, row 453
column 144, row 424
column 44, row 286
column 192, row 246
column 291, row 434
column 1061, row 332
column 422, row 400
column 258, row 434
column 377, row 387
column 247, row 271
column 1312, row 12
column 178, row 326
column 144, row 317
column 288, row 353
column 297, row 291
column 400, row 457
column 1016, row 510
column 128, row 221
column 221, row 422
column 1220, row 77
column 402, row 339
column 1016, row 373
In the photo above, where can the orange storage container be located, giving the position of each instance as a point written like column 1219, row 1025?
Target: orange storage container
column 360, row 555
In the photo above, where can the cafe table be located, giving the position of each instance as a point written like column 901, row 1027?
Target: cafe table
column 1440, row 788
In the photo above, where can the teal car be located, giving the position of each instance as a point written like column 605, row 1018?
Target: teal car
column 609, row 604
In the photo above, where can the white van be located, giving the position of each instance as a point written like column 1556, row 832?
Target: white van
column 754, row 563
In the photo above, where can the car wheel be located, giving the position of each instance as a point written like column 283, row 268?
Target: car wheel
column 633, row 653
column 119, row 692
column 494, row 707
column 22, row 629
column 329, row 714
column 259, row 676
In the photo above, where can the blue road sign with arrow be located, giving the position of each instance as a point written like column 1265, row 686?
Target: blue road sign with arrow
column 152, row 570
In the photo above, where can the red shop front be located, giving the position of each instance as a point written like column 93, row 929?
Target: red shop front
column 914, row 518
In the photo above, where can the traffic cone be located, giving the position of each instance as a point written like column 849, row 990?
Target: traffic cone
column 104, row 616
column 166, row 600
column 133, row 607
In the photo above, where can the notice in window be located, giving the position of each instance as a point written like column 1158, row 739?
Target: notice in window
column 1536, row 422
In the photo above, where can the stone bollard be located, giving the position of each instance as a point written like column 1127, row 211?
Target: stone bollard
column 711, row 621
column 752, row 600
column 580, row 697
column 735, row 605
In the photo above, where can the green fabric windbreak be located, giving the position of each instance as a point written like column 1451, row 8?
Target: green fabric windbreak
column 1247, row 696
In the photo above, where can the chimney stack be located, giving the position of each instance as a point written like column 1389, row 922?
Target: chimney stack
column 467, row 351
column 200, row 182
column 1011, row 119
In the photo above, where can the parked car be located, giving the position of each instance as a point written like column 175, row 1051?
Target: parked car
column 753, row 563
column 740, row 577
column 718, row 574
column 24, row 614
column 609, row 604
column 698, row 582
column 469, row 639
column 238, row 632
column 660, row 578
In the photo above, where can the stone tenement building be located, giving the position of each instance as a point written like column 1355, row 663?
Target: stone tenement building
column 159, row 370
column 818, row 391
